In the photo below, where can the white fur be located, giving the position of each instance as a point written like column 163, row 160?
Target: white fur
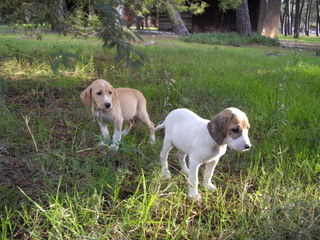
column 237, row 144
column 190, row 135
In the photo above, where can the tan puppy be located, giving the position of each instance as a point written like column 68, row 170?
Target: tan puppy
column 203, row 141
column 116, row 105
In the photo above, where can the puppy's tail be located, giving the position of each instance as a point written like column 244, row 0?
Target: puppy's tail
column 161, row 126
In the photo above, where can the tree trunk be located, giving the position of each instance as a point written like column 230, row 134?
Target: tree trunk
column 282, row 20
column 178, row 26
column 64, row 6
column 318, row 19
column 60, row 10
column 307, row 19
column 297, row 18
column 243, row 19
column 292, row 16
column 146, row 21
column 269, row 18
column 287, row 18
column 139, row 24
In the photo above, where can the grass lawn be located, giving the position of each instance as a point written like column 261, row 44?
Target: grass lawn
column 57, row 183
column 302, row 38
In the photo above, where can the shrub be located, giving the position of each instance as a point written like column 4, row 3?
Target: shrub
column 230, row 39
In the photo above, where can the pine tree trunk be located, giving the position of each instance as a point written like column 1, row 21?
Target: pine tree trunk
column 243, row 19
column 146, row 21
column 307, row 19
column 60, row 9
column 178, row 26
column 287, row 22
column 297, row 18
column 318, row 19
column 269, row 18
column 139, row 22
column 292, row 16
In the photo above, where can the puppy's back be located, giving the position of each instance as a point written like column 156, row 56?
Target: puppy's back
column 181, row 118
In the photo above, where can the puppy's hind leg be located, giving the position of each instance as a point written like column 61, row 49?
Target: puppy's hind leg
column 127, row 128
column 182, row 160
column 167, row 145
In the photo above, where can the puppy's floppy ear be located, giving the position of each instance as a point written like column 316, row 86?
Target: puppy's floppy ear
column 86, row 96
column 114, row 93
column 112, row 90
column 218, row 128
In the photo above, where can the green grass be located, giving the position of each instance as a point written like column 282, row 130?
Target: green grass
column 302, row 39
column 232, row 39
column 56, row 183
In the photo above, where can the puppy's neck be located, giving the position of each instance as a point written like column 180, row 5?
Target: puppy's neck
column 104, row 114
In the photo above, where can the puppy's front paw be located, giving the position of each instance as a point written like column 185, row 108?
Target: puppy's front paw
column 152, row 139
column 194, row 195
column 166, row 174
column 124, row 132
column 114, row 147
column 102, row 143
column 210, row 187
column 185, row 171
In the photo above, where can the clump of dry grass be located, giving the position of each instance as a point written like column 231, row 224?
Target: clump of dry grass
column 68, row 187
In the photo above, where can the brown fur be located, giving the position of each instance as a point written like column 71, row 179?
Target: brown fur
column 116, row 104
column 222, row 125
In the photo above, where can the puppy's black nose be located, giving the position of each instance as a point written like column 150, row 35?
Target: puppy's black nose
column 247, row 146
column 107, row 105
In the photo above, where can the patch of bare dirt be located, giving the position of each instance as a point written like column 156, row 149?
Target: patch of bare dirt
column 15, row 173
column 299, row 45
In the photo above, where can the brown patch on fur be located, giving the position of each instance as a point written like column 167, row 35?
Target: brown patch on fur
column 217, row 128
column 226, row 124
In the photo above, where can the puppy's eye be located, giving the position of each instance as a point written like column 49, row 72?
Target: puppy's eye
column 110, row 92
column 235, row 129
column 99, row 93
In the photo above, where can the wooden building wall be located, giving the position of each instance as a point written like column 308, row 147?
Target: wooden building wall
column 213, row 19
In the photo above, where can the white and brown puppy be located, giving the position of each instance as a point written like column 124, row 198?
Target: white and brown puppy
column 116, row 105
column 203, row 141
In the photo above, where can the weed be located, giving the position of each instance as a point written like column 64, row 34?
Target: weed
column 58, row 184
